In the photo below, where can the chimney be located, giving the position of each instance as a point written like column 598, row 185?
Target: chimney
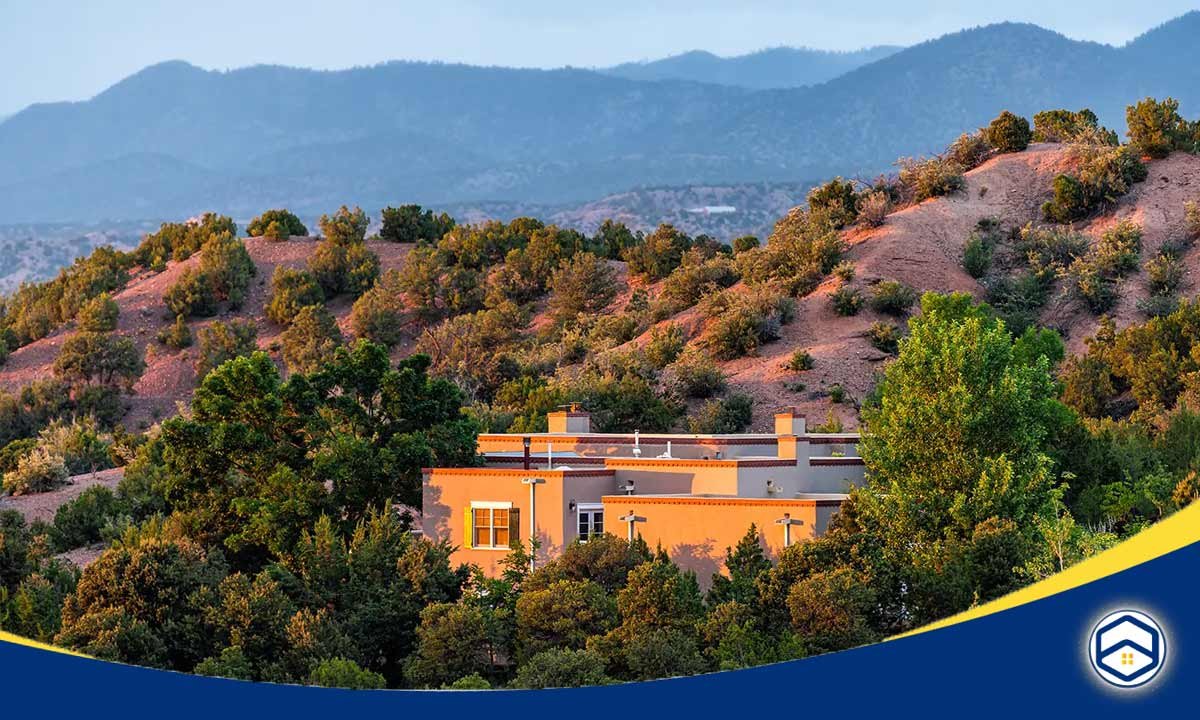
column 788, row 422
column 572, row 420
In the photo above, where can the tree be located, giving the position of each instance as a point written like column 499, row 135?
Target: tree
column 830, row 610
column 345, row 227
column 1008, row 133
column 99, row 314
column 659, row 254
column 103, row 358
column 311, row 339
column 744, row 565
column 291, row 291
column 286, row 224
column 562, row 616
column 837, row 199
column 378, row 315
column 453, row 641
column 228, row 267
column 958, row 440
column 583, row 284
column 1155, row 127
column 192, row 295
column 557, row 668
column 220, row 342
column 605, row 560
column 613, row 238
column 411, row 224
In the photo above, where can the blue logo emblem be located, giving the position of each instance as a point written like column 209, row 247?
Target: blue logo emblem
column 1127, row 648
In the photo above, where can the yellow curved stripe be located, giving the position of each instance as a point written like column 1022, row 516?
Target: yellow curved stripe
column 18, row 640
column 1177, row 531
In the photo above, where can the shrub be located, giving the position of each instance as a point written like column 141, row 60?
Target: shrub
column 1008, row 133
column 926, row 178
column 291, row 291
column 378, row 315
column 80, row 444
column 740, row 323
column 102, row 358
column 728, row 415
column 1156, row 128
column 800, row 361
column 664, row 346
column 1165, row 274
column 1097, row 290
column 78, row 523
column 1159, row 305
column 1069, row 202
column 873, row 208
column 892, row 297
column 977, row 256
column 659, row 254
column 837, row 393
column 310, row 340
column 560, row 668
column 99, row 314
column 837, row 199
column 228, row 268
column 1191, row 218
column 177, row 335
column 221, row 342
column 846, row 301
column 584, row 283
column 12, row 453
column 885, row 337
column 178, row 241
column 1065, row 126
column 342, row 673
column 191, row 295
column 969, row 151
column 279, row 224
column 1116, row 253
column 745, row 242
column 695, row 278
column 345, row 227
column 4, row 351
column 802, row 249
column 844, row 271
column 37, row 471
column 695, row 376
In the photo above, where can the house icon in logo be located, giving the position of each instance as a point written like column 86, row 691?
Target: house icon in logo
column 1127, row 648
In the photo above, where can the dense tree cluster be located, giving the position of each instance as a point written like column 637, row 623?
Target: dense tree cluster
column 276, row 225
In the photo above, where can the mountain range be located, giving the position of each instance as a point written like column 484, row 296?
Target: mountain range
column 175, row 139
column 781, row 67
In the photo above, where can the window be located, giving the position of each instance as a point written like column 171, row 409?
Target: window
column 491, row 525
column 591, row 520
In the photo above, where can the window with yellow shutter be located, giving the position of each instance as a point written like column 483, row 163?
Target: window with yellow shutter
column 491, row 525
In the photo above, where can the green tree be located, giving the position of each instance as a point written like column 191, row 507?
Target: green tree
column 220, row 342
column 99, row 314
column 100, row 358
column 562, row 616
column 378, row 315
column 453, row 641
column 558, row 668
column 345, row 227
column 291, row 291
column 1155, row 127
column 583, row 284
column 744, row 565
column 1008, row 133
column 286, row 225
column 343, row 673
column 412, row 223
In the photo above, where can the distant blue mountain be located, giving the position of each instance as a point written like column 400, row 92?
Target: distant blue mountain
column 174, row 139
column 782, row 67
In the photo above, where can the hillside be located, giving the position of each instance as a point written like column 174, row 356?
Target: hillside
column 173, row 140
column 772, row 68
column 921, row 246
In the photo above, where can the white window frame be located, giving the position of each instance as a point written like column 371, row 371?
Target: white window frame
column 491, row 507
column 581, row 508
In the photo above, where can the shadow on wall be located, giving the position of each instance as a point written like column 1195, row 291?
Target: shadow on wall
column 433, row 511
column 700, row 558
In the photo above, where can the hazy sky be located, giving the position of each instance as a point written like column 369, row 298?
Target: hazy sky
column 58, row 50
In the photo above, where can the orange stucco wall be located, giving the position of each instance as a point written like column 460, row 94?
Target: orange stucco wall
column 695, row 532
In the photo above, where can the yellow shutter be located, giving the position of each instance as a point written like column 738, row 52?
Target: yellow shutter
column 469, row 529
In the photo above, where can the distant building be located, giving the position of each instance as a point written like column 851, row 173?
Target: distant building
column 713, row 210
column 695, row 495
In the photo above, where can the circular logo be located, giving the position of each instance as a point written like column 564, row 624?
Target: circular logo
column 1127, row 648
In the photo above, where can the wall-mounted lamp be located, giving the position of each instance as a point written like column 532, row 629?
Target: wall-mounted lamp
column 571, row 506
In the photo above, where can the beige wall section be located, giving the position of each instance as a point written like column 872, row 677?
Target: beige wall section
column 696, row 531
column 448, row 492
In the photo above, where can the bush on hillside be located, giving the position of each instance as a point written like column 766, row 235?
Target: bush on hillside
column 977, row 256
column 291, row 291
column 740, row 323
column 799, row 361
column 694, row 375
column 378, row 315
column 278, row 224
column 658, row 254
column 98, row 315
column 664, row 346
column 37, row 471
column 310, row 340
column 846, row 301
column 892, row 297
column 926, row 178
column 969, row 151
column 79, row 522
column 191, row 295
column 745, row 242
column 1191, row 218
column 412, row 224
column 1066, row 126
column 837, row 199
column 99, row 358
column 177, row 335
column 345, row 227
column 1156, row 128
column 221, row 342
column 1008, row 133
column 728, row 415
column 873, row 208
column 885, row 337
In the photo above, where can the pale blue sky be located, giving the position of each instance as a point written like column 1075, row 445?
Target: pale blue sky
column 62, row 50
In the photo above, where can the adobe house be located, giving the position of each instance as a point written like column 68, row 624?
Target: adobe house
column 695, row 495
